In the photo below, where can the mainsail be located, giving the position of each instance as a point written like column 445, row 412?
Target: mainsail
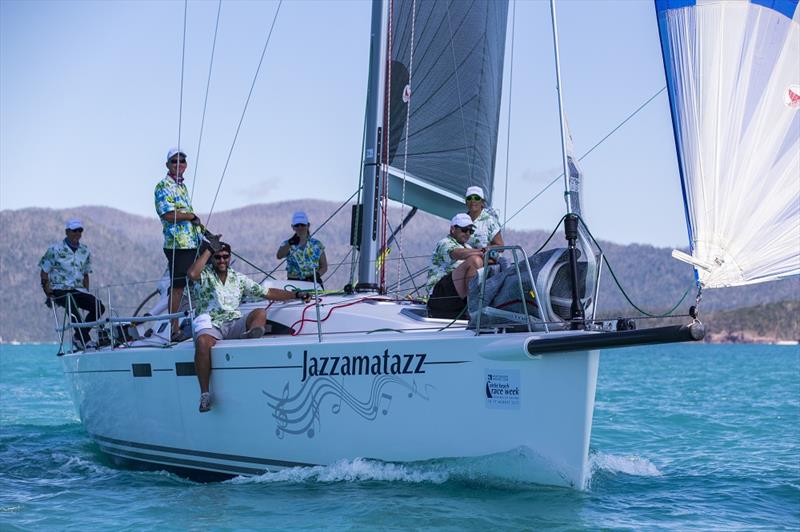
column 443, row 100
column 733, row 74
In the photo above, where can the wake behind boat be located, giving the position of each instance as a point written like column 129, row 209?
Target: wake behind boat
column 366, row 373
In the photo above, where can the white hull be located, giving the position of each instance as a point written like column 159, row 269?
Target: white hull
column 422, row 395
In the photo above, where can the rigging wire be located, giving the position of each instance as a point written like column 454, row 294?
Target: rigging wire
column 180, row 122
column 458, row 91
column 318, row 229
column 205, row 102
column 384, row 172
column 598, row 143
column 508, row 126
column 619, row 285
column 405, row 143
column 244, row 110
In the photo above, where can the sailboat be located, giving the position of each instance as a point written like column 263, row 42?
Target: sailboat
column 367, row 374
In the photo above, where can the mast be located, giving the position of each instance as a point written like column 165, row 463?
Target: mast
column 371, row 194
column 571, row 220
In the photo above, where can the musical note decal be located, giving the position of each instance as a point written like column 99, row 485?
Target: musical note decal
column 300, row 413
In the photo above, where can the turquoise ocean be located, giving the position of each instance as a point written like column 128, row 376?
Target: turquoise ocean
column 685, row 437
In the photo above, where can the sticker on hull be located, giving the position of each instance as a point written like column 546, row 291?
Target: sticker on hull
column 502, row 389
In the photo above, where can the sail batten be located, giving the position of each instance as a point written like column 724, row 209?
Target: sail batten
column 733, row 77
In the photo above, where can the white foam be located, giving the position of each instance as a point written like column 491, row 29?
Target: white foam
column 357, row 470
column 629, row 465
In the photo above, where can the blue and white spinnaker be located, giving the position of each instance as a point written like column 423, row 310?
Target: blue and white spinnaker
column 733, row 74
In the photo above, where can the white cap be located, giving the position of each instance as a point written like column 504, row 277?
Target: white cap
column 299, row 218
column 175, row 151
column 73, row 224
column 478, row 191
column 461, row 219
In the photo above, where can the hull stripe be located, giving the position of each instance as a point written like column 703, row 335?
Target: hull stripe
column 192, row 464
column 204, row 454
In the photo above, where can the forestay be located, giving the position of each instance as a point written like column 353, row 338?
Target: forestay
column 444, row 88
column 733, row 74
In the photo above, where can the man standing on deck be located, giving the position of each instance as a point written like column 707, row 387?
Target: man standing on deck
column 181, row 226
column 218, row 293
column 65, row 269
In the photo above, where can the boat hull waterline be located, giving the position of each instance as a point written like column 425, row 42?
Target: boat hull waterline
column 284, row 402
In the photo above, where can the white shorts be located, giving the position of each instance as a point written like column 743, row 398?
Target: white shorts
column 227, row 330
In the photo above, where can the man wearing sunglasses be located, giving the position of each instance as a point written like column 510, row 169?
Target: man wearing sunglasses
column 453, row 265
column 181, row 228
column 65, row 269
column 218, row 292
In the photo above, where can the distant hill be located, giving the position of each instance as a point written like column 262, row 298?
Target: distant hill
column 126, row 249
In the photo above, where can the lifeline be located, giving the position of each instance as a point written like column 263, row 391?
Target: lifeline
column 362, row 365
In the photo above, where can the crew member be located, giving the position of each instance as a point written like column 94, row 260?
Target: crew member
column 181, row 227
column 218, row 293
column 453, row 265
column 304, row 255
column 65, row 269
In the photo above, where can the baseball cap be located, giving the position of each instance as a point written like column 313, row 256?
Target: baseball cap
column 461, row 219
column 299, row 218
column 478, row 191
column 73, row 223
column 174, row 151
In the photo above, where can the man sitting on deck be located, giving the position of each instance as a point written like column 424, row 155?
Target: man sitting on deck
column 453, row 265
column 218, row 293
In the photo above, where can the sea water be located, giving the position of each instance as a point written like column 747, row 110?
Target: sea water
column 684, row 437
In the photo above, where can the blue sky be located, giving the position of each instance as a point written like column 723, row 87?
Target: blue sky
column 90, row 98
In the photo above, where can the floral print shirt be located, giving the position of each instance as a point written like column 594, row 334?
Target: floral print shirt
column 487, row 224
column 171, row 196
column 441, row 261
column 303, row 260
column 221, row 300
column 65, row 268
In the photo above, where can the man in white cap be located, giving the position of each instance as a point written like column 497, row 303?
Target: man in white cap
column 305, row 256
column 181, row 227
column 453, row 265
column 65, row 269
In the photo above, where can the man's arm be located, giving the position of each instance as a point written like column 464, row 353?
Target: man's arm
column 197, row 266
column 283, row 251
column 463, row 253
column 180, row 216
column 278, row 294
column 46, row 284
column 86, row 281
column 323, row 264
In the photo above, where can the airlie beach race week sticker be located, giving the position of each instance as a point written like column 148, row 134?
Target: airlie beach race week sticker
column 502, row 389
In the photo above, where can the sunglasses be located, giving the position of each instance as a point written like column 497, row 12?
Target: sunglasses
column 78, row 230
column 299, row 225
column 176, row 161
column 469, row 230
column 474, row 197
column 222, row 257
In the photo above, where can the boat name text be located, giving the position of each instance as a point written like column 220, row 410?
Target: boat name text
column 384, row 364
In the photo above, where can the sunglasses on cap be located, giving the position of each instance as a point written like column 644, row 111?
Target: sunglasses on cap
column 468, row 229
column 226, row 256
column 299, row 225
column 182, row 160
column 78, row 230
column 474, row 197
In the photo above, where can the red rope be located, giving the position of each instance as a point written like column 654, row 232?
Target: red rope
column 302, row 321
